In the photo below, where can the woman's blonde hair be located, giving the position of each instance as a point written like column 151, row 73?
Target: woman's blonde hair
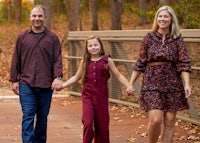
column 174, row 27
column 87, row 55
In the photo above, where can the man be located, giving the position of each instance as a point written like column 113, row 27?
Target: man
column 36, row 68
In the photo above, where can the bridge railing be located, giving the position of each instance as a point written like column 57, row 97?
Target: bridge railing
column 123, row 46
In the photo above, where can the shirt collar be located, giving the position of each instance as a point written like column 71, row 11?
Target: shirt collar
column 30, row 30
column 160, row 35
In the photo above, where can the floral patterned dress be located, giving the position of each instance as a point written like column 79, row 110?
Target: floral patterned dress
column 162, row 86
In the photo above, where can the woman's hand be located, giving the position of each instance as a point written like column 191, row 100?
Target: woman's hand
column 188, row 91
column 130, row 90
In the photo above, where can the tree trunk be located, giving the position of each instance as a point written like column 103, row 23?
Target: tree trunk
column 67, row 7
column 9, row 8
column 163, row 1
column 47, row 5
column 143, row 8
column 18, row 11
column 94, row 14
column 37, row 2
column 116, row 10
column 73, row 12
column 156, row 3
column 74, row 15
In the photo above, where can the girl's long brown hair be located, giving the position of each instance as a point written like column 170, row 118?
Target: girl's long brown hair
column 87, row 56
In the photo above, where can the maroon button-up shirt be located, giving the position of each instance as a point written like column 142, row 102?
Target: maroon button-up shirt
column 37, row 59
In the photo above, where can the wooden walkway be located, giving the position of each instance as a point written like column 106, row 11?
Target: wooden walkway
column 64, row 123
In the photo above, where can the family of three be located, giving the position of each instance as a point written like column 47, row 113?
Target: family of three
column 36, row 71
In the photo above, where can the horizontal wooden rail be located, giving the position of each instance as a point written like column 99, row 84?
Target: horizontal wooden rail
column 190, row 35
column 115, row 39
column 119, row 60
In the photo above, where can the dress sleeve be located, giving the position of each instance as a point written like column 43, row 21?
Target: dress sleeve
column 105, row 58
column 184, row 63
column 141, row 63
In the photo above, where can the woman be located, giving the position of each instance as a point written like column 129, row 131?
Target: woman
column 164, row 60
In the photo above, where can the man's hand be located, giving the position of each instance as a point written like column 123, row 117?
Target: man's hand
column 15, row 87
column 57, row 84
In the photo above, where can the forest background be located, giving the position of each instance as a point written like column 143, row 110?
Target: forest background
column 72, row 15
column 85, row 15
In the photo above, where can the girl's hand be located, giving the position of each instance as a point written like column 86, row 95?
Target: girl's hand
column 57, row 84
column 130, row 90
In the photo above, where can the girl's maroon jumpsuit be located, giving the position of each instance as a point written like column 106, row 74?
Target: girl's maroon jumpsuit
column 95, row 116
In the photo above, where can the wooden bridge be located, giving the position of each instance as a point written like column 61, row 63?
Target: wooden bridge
column 123, row 46
column 127, row 122
column 127, row 125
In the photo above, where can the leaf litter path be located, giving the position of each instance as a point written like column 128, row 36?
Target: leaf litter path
column 64, row 123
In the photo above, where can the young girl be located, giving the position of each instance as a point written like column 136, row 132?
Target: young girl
column 94, row 74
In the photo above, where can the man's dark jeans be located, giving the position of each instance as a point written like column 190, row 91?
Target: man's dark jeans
column 35, row 103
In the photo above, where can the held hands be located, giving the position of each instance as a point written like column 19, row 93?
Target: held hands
column 130, row 90
column 57, row 84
